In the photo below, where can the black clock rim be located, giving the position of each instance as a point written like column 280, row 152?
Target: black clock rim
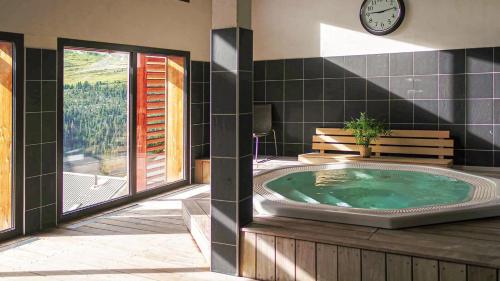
column 390, row 30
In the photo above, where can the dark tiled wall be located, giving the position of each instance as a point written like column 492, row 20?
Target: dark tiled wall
column 40, row 140
column 456, row 90
column 200, row 111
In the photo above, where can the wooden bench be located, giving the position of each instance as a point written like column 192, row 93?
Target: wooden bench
column 402, row 146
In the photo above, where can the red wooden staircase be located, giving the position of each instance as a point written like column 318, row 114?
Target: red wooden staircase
column 151, row 121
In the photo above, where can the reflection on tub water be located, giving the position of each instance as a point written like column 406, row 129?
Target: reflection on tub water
column 371, row 188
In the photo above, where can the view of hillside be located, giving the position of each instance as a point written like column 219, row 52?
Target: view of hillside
column 90, row 66
column 96, row 110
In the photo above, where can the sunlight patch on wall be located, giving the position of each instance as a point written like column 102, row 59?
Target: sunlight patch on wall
column 337, row 41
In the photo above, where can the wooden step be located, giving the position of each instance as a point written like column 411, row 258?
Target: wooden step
column 155, row 63
column 155, row 104
column 155, row 169
column 156, row 126
column 156, row 159
column 155, row 84
column 155, row 133
column 155, row 98
column 153, row 75
column 156, row 59
column 156, row 118
column 153, row 141
column 155, row 110
column 155, row 68
column 156, row 148
column 156, row 91
column 155, row 176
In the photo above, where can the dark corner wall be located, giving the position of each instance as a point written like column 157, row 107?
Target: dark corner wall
column 40, row 132
column 456, row 90
column 200, row 111
column 40, row 139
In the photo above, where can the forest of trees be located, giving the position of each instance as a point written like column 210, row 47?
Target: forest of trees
column 95, row 117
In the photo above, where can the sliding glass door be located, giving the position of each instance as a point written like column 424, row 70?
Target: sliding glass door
column 11, row 62
column 124, row 119
column 160, row 122
column 96, row 107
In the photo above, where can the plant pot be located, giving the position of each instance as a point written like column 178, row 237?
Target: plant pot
column 365, row 151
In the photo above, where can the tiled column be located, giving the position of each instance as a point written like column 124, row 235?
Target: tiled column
column 231, row 136
column 40, row 140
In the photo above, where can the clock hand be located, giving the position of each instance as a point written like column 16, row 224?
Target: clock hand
column 379, row 12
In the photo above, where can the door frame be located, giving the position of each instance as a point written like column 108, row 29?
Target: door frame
column 132, row 111
column 17, row 134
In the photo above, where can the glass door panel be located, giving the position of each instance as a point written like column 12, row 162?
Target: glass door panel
column 96, row 137
column 6, row 137
column 160, row 120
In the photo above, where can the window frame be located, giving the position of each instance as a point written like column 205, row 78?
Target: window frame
column 133, row 195
column 17, row 133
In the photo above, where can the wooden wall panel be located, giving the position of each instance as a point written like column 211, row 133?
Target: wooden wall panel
column 349, row 264
column 326, row 259
column 398, row 268
column 477, row 273
column 266, row 259
column 373, row 266
column 285, row 259
column 248, row 254
column 6, row 52
column 452, row 271
column 305, row 268
column 425, row 270
column 175, row 124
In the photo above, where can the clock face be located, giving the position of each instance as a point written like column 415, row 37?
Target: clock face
column 382, row 17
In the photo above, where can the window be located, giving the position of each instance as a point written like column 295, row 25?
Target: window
column 123, row 124
column 11, row 134
column 160, row 123
column 95, row 127
column 6, row 92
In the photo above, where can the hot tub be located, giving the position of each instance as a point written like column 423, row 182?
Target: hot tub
column 376, row 194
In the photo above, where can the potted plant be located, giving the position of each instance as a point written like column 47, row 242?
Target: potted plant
column 366, row 130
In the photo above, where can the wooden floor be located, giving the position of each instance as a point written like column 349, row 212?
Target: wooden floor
column 145, row 241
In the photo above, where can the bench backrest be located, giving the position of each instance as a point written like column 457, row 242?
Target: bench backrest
column 409, row 142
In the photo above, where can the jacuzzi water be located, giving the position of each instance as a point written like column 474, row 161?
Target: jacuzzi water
column 371, row 188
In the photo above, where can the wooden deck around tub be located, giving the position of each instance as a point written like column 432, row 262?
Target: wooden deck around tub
column 275, row 248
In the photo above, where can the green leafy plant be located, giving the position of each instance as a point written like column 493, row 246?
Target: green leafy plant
column 366, row 130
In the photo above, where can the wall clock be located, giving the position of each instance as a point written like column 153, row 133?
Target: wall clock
column 381, row 17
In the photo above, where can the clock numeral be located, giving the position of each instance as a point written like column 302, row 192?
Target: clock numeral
column 389, row 21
